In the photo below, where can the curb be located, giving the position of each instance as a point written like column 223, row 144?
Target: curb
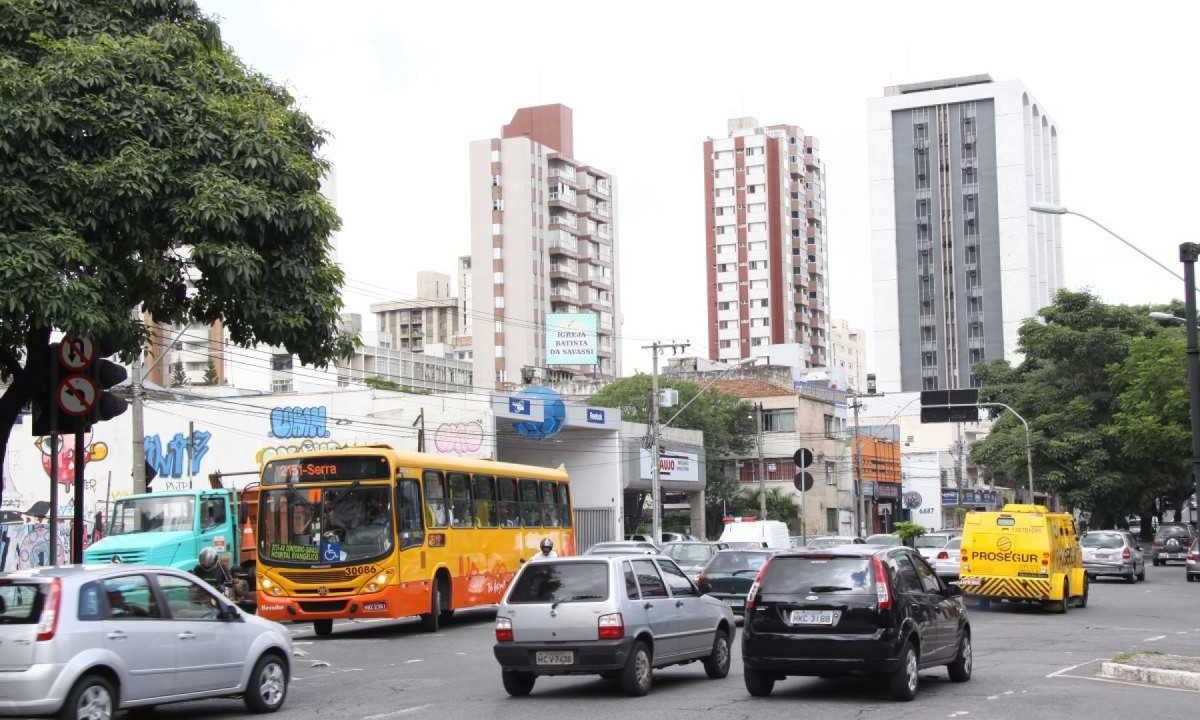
column 1180, row 679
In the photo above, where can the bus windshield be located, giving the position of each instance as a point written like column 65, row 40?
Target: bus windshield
column 164, row 513
column 323, row 526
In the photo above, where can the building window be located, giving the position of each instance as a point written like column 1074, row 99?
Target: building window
column 497, row 204
column 831, row 521
column 725, row 344
column 497, row 229
column 498, row 278
column 779, row 420
column 281, row 363
column 499, row 301
column 830, row 426
column 970, row 176
column 830, row 472
column 929, row 383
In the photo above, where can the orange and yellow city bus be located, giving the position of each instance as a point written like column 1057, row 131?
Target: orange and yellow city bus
column 369, row 532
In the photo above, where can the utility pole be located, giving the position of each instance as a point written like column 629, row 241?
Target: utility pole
column 858, row 487
column 1188, row 254
column 762, row 467
column 137, row 406
column 656, row 440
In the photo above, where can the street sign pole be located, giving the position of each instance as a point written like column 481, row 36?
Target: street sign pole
column 77, row 520
column 53, row 559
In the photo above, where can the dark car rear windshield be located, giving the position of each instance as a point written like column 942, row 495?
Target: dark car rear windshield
column 1102, row 541
column 803, row 574
column 729, row 563
column 1172, row 531
column 20, row 603
column 558, row 582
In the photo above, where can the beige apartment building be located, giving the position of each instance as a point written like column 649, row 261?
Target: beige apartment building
column 432, row 319
column 543, row 241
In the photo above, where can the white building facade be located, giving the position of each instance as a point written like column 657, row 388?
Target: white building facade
column 959, row 261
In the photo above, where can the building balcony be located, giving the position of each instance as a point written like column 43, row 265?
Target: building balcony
column 562, row 243
column 563, row 272
column 929, row 345
column 565, row 294
column 560, row 199
column 596, row 280
column 563, row 220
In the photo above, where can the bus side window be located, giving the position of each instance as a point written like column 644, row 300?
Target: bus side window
column 509, row 511
column 435, row 499
column 530, row 503
column 550, row 514
column 485, row 500
column 460, row 499
column 564, row 503
column 408, row 510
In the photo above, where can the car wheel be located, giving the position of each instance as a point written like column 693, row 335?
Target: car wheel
column 758, row 683
column 92, row 698
column 1131, row 577
column 517, row 683
column 902, row 684
column 716, row 665
column 323, row 628
column 1061, row 606
column 268, row 684
column 432, row 620
column 638, row 673
column 1082, row 600
column 960, row 669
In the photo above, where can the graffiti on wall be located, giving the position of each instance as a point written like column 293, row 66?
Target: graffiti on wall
column 27, row 546
column 93, row 452
column 459, row 438
column 299, row 422
column 168, row 458
column 267, row 453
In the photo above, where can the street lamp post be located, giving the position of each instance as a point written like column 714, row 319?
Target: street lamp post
column 1028, row 444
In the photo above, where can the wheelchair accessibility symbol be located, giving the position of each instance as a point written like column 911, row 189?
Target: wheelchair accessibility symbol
column 331, row 552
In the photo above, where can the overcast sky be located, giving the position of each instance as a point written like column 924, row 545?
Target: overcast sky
column 404, row 87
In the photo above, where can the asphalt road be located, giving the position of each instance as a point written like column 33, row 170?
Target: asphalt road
column 1028, row 665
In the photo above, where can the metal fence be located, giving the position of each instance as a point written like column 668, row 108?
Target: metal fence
column 592, row 525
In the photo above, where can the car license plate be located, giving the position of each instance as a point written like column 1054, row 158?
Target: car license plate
column 566, row 657
column 375, row 606
column 1102, row 556
column 735, row 602
column 812, row 617
column 1173, row 556
column 970, row 581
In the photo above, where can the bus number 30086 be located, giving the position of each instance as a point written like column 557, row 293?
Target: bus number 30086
column 361, row 570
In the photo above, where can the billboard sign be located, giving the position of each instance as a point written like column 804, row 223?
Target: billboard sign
column 571, row 339
column 671, row 466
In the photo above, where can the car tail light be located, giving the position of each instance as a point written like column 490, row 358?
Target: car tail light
column 943, row 555
column 48, row 624
column 1125, row 554
column 610, row 627
column 1193, row 556
column 1045, row 558
column 882, row 593
column 752, row 596
column 504, row 632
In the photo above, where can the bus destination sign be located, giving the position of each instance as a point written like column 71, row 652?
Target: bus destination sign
column 337, row 468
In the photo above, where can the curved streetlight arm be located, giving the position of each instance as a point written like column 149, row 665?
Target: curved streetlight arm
column 1028, row 445
column 1059, row 210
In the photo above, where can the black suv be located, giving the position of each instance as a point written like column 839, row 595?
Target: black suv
column 1171, row 543
column 854, row 608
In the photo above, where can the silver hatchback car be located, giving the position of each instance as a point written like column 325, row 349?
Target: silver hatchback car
column 86, row 641
column 616, row 616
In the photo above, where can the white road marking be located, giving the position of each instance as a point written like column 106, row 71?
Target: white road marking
column 410, row 662
column 1056, row 673
column 398, row 713
column 1008, row 692
column 1154, row 639
column 992, row 697
column 1121, row 682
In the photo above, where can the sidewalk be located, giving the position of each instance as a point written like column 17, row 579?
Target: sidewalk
column 1153, row 668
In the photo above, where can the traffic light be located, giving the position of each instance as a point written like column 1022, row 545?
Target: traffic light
column 944, row 406
column 106, row 374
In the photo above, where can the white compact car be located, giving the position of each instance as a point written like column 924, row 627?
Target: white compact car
column 84, row 642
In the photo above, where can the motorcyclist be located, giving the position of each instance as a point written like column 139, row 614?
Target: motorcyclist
column 211, row 570
column 547, row 550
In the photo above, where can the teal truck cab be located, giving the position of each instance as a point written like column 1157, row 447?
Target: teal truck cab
column 172, row 527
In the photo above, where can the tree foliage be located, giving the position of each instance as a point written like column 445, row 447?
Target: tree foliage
column 1103, row 388
column 138, row 157
column 726, row 421
column 781, row 505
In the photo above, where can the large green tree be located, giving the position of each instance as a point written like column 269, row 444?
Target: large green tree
column 136, row 153
column 727, row 423
column 1085, row 382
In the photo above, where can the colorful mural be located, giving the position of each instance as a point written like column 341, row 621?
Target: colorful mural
column 93, row 452
column 265, row 454
column 28, row 546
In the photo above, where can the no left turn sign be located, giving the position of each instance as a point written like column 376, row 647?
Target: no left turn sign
column 76, row 395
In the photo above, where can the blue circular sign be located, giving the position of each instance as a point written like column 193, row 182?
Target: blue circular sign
column 554, row 413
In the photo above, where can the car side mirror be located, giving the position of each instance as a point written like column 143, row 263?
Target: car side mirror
column 229, row 613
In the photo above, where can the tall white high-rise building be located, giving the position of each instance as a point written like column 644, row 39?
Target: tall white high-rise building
column 543, row 241
column 959, row 260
